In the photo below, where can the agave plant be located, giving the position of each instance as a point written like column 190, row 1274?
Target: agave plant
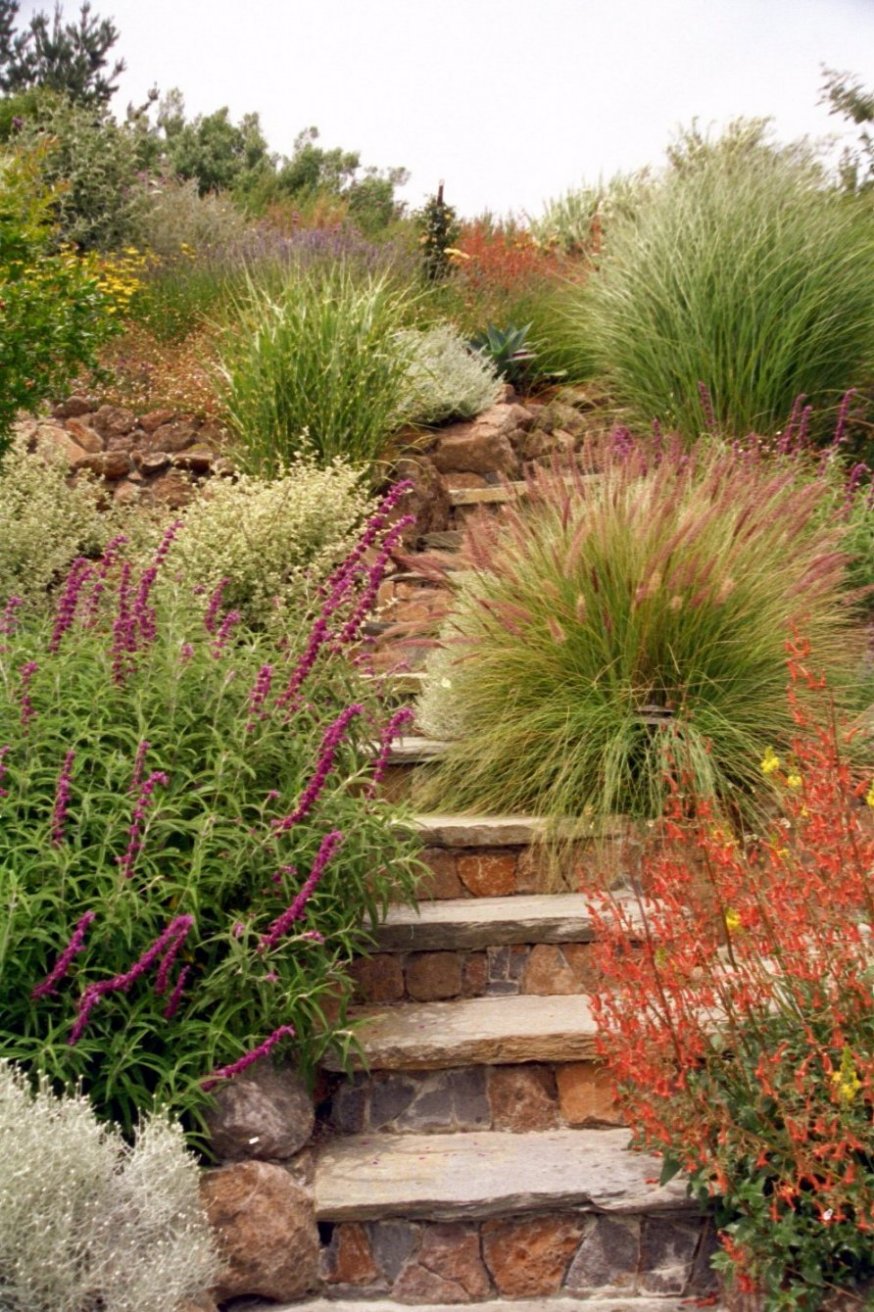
column 507, row 349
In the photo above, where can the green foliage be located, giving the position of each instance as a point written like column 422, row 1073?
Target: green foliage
column 573, row 223
column 846, row 96
column 92, row 165
column 507, row 350
column 178, row 220
column 272, row 541
column 743, row 272
column 444, row 379
column 68, row 58
column 53, row 316
column 321, row 357
column 440, row 231
column 161, row 770
column 87, row 1220
column 210, row 150
column 627, row 622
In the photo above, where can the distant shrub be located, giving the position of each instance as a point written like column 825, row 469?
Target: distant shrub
column 620, row 628
column 324, row 356
column 87, row 1220
column 445, row 379
column 575, row 222
column 741, row 271
column 273, row 541
column 178, row 220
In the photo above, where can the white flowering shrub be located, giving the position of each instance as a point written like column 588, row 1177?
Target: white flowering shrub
column 89, row 1223
column 273, row 540
column 446, row 380
column 44, row 522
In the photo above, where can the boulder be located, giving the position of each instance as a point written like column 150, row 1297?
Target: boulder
column 265, row 1113
column 266, row 1229
column 73, row 407
column 113, row 421
column 84, row 435
column 428, row 501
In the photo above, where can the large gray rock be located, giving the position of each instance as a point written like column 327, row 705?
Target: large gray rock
column 266, row 1230
column 265, row 1113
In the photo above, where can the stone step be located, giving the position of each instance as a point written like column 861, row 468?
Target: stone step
column 621, row 1304
column 465, row 923
column 478, row 831
column 448, row 540
column 474, row 1031
column 413, row 749
column 459, row 1176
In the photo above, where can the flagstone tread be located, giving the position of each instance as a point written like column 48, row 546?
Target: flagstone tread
column 490, row 1173
column 553, row 1304
column 478, row 830
column 486, row 922
column 487, row 1031
column 412, row 749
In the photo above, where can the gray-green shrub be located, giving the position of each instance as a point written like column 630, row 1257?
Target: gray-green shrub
column 88, row 1221
column 445, row 380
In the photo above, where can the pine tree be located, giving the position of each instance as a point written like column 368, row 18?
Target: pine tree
column 70, row 58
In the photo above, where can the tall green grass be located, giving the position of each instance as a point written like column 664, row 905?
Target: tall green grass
column 325, row 357
column 627, row 626
column 744, row 273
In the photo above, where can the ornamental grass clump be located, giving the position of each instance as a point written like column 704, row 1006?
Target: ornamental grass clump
column 743, row 271
column 191, row 849
column 90, row 1221
column 628, row 622
column 322, row 355
column 741, row 1030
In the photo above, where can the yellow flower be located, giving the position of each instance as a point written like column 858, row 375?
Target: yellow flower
column 847, row 1077
column 769, row 762
column 793, row 780
column 869, row 796
column 732, row 920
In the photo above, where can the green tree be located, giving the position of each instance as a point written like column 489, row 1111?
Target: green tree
column 846, row 96
column 210, row 149
column 70, row 58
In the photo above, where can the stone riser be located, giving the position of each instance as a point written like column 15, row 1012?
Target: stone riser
column 520, row 1098
column 538, row 969
column 456, row 872
column 572, row 1252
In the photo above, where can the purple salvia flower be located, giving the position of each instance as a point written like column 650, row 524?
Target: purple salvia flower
column 375, row 576
column 259, row 694
column 3, row 752
column 210, row 618
column 123, row 628
column 784, row 446
column 105, row 564
column 143, row 614
column 374, row 526
column 62, row 965
column 62, row 798
column 318, row 637
column 186, row 652
column 282, row 924
column 80, row 571
column 707, row 407
column 313, row 935
column 248, row 1058
column 843, row 414
column 227, row 625
column 391, row 731
column 175, row 932
column 804, row 425
column 139, row 761
column 139, row 813
column 331, row 740
column 176, row 996
column 9, row 619
column 28, row 670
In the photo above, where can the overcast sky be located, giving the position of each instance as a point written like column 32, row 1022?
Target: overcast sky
column 508, row 101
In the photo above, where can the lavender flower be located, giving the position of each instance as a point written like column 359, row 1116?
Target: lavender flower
column 80, row 571
column 331, row 740
column 143, row 802
column 62, row 798
column 248, row 1058
column 391, row 731
column 283, row 923
column 172, row 937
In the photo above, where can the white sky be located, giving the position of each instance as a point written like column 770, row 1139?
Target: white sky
column 508, row 101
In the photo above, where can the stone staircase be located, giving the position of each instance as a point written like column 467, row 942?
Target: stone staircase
column 475, row 1154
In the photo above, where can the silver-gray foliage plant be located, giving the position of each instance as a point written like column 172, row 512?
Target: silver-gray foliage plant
column 89, row 1223
column 445, row 380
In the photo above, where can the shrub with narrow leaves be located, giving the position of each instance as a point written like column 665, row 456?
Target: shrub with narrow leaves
column 445, row 379
column 89, row 1221
column 191, row 848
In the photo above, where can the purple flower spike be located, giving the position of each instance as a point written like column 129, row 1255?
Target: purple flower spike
column 9, row 619
column 331, row 740
column 105, row 564
column 62, row 798
column 227, row 625
column 375, row 576
column 282, row 924
column 176, row 996
column 62, row 965
column 210, row 618
column 843, row 415
column 248, row 1058
column 80, row 571
column 171, row 938
column 142, row 805
column 707, row 407
column 3, row 751
column 259, row 694
column 28, row 670
column 391, row 731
